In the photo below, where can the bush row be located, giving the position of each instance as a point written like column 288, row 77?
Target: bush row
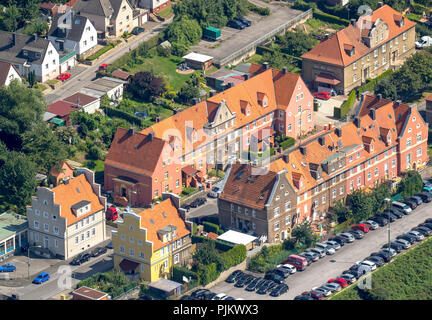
column 260, row 10
column 180, row 272
column 220, row 245
column 211, row 227
column 288, row 142
column 102, row 51
column 330, row 18
column 112, row 112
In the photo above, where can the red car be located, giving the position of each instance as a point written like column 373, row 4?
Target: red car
column 361, row 227
column 103, row 66
column 324, row 95
column 112, row 213
column 340, row 281
column 63, row 76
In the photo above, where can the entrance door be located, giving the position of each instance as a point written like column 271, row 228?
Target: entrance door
column 365, row 74
column 394, row 56
column 46, row 242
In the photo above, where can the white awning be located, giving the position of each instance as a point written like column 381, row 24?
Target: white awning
column 236, row 237
column 197, row 57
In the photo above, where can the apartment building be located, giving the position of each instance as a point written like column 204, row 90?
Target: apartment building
column 69, row 218
column 363, row 50
column 385, row 139
column 152, row 242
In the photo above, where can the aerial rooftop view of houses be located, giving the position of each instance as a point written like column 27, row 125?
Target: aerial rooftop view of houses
column 257, row 150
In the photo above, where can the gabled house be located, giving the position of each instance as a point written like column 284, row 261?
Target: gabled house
column 109, row 17
column 68, row 219
column 154, row 5
column 61, row 174
column 151, row 242
column 364, row 49
column 30, row 53
column 8, row 72
column 72, row 33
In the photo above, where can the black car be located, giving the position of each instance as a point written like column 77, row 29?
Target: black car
column 98, row 251
column 198, row 293
column 246, row 22
column 81, row 258
column 426, row 224
column 234, row 276
column 395, row 246
column 208, row 295
column 137, row 30
column 408, row 237
column 355, row 271
column 377, row 260
column 254, row 284
column 426, row 197
column 358, row 234
column 280, row 289
column 263, row 283
column 274, row 277
column 386, row 256
column 423, row 230
column 394, row 212
column 186, row 297
column 339, row 240
column 198, row 202
column 380, row 220
column 304, row 297
column 236, row 24
column 389, row 215
column 410, row 203
column 283, row 272
column 428, row 220
column 416, row 199
column 265, row 287
column 244, row 281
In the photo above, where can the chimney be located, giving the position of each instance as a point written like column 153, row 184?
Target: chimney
column 379, row 96
column 246, row 77
column 151, row 136
column 13, row 38
column 284, row 70
column 265, row 65
column 353, row 22
column 397, row 103
column 212, row 93
column 380, row 4
column 34, row 36
column 286, row 158
column 357, row 122
column 303, row 150
column 321, row 140
column 338, row 132
column 372, row 114
column 131, row 131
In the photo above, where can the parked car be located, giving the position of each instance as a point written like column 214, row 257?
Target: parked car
column 8, row 267
column 219, row 296
column 424, row 42
column 41, row 278
column 386, row 256
column 350, row 278
column 246, row 22
column 244, row 281
column 103, row 66
column 396, row 213
column 395, row 246
column 426, row 232
column 347, row 236
column 329, row 250
column 137, row 30
column 254, row 284
column 308, row 258
column 388, row 215
column 279, row 290
column 339, row 240
column 324, row 95
column 289, row 267
column 234, row 276
column 358, row 234
column 335, row 245
column 404, row 243
column 315, row 295
column 320, row 252
column 98, row 251
column 198, row 202
column 340, row 281
column 410, row 203
column 369, row 264
column 236, row 24
column 362, row 227
column 408, row 237
column 418, row 235
column 429, row 220
column 426, row 224
column 265, row 287
column 381, row 221
column 81, row 258
column 275, row 277
column 263, row 284
column 402, row 207
column 297, row 261
column 390, row 251
column 198, row 293
column 333, row 287
column 215, row 192
column 314, row 256
column 112, row 213
column 228, row 298
column 379, row 261
column 416, row 199
column 64, row 76
column 323, row 291
column 208, row 296
column 282, row 272
column 425, row 196
column 357, row 270
column 303, row 297
column 371, row 224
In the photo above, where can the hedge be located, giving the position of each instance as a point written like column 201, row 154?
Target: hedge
column 102, row 51
column 220, row 245
column 288, row 142
column 262, row 49
column 330, row 18
column 211, row 219
column 304, row 6
column 123, row 115
column 179, row 272
column 207, row 273
column 371, row 83
column 210, row 227
column 344, row 108
column 234, row 256
column 260, row 10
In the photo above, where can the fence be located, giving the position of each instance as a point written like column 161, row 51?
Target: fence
column 257, row 42
column 127, row 294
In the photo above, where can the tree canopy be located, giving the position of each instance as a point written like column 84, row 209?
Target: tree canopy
column 145, row 85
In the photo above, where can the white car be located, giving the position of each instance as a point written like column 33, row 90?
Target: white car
column 389, row 250
column 327, row 249
column 424, row 42
column 333, row 244
column 219, row 296
column 325, row 291
column 289, row 267
column 371, row 224
column 215, row 192
column 369, row 264
column 333, row 287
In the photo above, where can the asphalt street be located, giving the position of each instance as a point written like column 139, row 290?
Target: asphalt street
column 331, row 266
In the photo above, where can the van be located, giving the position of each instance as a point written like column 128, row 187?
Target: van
column 112, row 213
column 401, row 206
column 299, row 262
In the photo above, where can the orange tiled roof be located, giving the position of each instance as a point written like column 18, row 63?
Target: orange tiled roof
column 335, row 50
column 78, row 189
column 159, row 221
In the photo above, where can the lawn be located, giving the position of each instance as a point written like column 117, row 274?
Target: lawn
column 408, row 277
column 256, row 58
column 98, row 167
column 165, row 13
column 162, row 66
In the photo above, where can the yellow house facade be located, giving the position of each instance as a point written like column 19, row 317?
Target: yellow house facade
column 152, row 242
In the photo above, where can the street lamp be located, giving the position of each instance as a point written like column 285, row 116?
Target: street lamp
column 387, row 202
column 28, row 259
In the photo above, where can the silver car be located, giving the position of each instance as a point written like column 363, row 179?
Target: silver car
column 333, row 287
column 333, row 244
column 403, row 243
column 347, row 236
column 418, row 235
column 327, row 249
column 320, row 252
column 371, row 224
column 324, row 291
column 289, row 267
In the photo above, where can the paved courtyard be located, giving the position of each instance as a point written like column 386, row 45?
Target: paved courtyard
column 324, row 115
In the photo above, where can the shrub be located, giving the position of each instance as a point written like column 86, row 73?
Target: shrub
column 207, row 273
column 111, row 112
column 211, row 219
column 210, row 227
column 95, row 153
column 179, row 272
column 330, row 18
column 304, row 6
column 179, row 49
column 163, row 51
column 259, row 10
column 288, row 142
column 234, row 256
column 189, row 190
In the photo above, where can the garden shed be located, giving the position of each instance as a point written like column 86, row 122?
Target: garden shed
column 236, row 237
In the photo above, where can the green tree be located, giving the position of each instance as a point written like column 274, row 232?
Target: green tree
column 95, row 153
column 381, row 192
column 361, row 204
column 387, row 88
column 304, row 234
column 296, row 43
column 207, row 254
column 341, row 211
column 186, row 31
column 144, row 85
column 187, row 92
column 31, row 78
column 10, row 19
column 179, row 49
column 410, row 184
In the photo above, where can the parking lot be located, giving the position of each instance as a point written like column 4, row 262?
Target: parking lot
column 233, row 40
column 324, row 115
column 332, row 266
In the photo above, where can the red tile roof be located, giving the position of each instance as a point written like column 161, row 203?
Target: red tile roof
column 89, row 293
column 80, row 99
column 121, row 74
column 62, row 108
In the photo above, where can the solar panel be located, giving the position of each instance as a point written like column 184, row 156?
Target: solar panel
column 340, row 144
column 164, row 214
column 151, row 220
column 78, row 190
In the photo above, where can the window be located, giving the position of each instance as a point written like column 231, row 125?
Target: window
column 397, row 40
column 253, row 213
column 383, row 48
column 287, row 206
column 131, row 240
column 419, row 137
column 276, row 212
column 46, row 66
column 393, row 163
column 354, row 65
column 309, row 117
column 85, row 42
column 131, row 252
column 359, row 181
column 289, row 127
column 76, row 240
column 156, row 193
column 82, row 236
column 404, row 48
column 93, row 232
column 37, row 212
column 166, row 175
column 36, row 224
column 316, row 190
column 323, row 199
column 299, row 109
column 176, row 258
column 358, row 155
column 354, row 77
column 276, row 226
column 123, row 237
column 375, row 53
column 419, row 152
column 383, row 60
column 45, row 214
column 334, row 193
column 56, row 230
column 408, row 142
column 351, row 184
column 88, row 234
column 246, row 211
column 376, row 65
column 369, row 176
column 178, row 182
column 122, row 249
column 141, row 254
column 404, row 36
column 341, row 190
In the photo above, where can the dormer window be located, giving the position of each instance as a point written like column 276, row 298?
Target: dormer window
column 81, row 208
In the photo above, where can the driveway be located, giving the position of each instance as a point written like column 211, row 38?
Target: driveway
column 331, row 266
column 324, row 115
